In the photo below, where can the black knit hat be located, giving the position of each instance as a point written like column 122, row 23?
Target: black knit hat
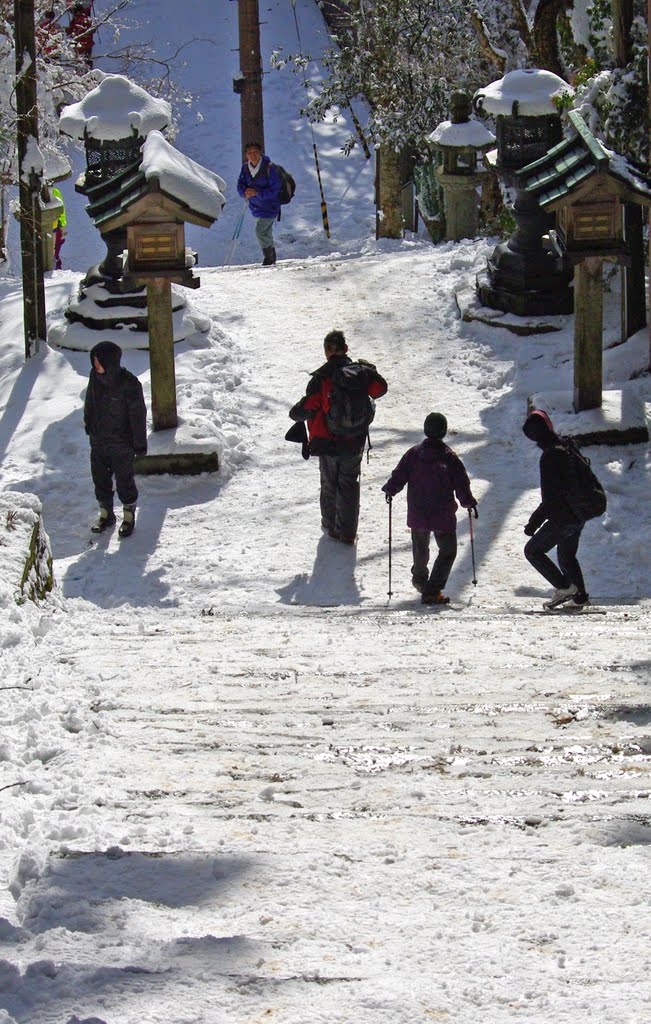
column 435, row 426
column 538, row 427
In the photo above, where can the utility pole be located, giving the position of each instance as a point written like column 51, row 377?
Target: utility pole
column 252, row 116
column 29, row 178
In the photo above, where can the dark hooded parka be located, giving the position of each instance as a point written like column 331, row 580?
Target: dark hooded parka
column 115, row 419
column 114, row 411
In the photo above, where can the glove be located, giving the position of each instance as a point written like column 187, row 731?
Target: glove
column 473, row 508
column 387, row 497
column 529, row 530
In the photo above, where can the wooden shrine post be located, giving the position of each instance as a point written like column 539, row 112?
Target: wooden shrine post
column 588, row 329
column 161, row 353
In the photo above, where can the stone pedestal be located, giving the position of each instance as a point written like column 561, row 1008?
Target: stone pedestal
column 461, row 204
column 620, row 419
column 524, row 277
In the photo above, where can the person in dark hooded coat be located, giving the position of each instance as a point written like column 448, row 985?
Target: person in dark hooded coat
column 554, row 524
column 434, row 474
column 115, row 419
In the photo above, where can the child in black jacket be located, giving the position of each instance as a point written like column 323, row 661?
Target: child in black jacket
column 554, row 523
column 115, row 419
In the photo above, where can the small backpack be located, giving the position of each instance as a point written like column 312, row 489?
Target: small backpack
column 586, row 496
column 287, row 186
column 350, row 410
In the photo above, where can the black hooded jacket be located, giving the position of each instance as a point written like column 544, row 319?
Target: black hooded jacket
column 559, row 486
column 114, row 410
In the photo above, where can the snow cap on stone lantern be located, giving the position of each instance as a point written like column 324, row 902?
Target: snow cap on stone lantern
column 461, row 138
column 527, row 118
column 113, row 119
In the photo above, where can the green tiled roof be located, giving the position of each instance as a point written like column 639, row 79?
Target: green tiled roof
column 112, row 197
column 570, row 163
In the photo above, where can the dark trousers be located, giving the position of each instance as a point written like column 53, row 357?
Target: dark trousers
column 106, row 463
column 432, row 582
column 340, row 493
column 566, row 541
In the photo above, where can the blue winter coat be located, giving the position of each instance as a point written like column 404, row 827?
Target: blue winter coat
column 433, row 474
column 267, row 184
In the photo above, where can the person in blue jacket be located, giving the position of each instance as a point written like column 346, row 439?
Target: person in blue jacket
column 259, row 183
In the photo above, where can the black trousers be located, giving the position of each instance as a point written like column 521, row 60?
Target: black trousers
column 340, row 492
column 107, row 463
column 566, row 541
column 433, row 582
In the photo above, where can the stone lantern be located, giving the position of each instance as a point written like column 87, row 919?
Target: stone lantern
column 113, row 120
column 459, row 141
column 524, row 276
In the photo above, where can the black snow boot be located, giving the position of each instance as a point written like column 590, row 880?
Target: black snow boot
column 269, row 256
column 106, row 518
column 128, row 521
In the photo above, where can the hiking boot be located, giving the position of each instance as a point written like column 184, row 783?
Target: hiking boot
column 269, row 256
column 334, row 534
column 106, row 518
column 128, row 521
column 560, row 596
column 417, row 585
column 347, row 540
column 579, row 601
column 435, row 598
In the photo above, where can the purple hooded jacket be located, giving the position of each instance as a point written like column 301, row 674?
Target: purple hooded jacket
column 433, row 474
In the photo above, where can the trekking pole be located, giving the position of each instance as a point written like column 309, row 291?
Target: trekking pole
column 230, row 252
column 390, row 501
column 472, row 549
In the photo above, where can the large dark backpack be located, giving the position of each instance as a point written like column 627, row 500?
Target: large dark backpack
column 350, row 411
column 287, row 185
column 585, row 495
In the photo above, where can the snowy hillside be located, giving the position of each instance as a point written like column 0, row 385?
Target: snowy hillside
column 238, row 783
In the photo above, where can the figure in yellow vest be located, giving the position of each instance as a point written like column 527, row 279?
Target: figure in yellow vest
column 59, row 229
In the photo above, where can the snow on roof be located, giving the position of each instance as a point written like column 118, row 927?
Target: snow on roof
column 469, row 133
column 624, row 170
column 181, row 177
column 532, row 88
column 113, row 109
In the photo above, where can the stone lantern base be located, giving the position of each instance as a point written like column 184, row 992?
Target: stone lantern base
column 548, row 294
column 461, row 205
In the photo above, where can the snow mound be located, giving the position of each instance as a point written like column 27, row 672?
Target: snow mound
column 113, row 110
column 469, row 133
column 179, row 176
column 533, row 90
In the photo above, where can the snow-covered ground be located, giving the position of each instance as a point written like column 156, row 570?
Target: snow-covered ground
column 242, row 784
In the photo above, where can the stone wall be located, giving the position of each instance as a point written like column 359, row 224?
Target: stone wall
column 25, row 554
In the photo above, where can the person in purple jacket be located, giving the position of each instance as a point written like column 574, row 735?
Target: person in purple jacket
column 434, row 475
column 260, row 184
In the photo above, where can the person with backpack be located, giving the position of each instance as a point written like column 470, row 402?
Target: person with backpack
column 434, row 474
column 338, row 408
column 115, row 419
column 260, row 183
column 571, row 494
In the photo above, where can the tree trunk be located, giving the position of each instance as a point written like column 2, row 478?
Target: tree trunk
column 29, row 180
column 388, row 194
column 622, row 23
column 545, row 36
